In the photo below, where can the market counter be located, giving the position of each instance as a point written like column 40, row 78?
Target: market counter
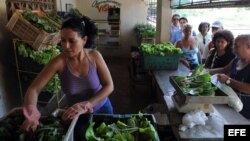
column 214, row 129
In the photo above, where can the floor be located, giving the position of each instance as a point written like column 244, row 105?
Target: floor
column 128, row 96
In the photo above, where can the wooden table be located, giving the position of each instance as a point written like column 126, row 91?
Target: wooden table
column 214, row 129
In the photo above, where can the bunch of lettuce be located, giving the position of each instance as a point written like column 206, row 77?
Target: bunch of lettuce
column 136, row 128
column 160, row 49
column 198, row 84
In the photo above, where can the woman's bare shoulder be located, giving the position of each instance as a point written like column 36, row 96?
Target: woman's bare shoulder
column 58, row 62
column 93, row 53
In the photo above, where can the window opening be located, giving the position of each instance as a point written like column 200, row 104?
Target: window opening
column 192, row 4
column 152, row 10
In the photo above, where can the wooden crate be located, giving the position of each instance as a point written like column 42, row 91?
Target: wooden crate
column 35, row 37
column 44, row 5
column 148, row 40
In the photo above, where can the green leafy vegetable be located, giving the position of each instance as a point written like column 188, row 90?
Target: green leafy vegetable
column 160, row 49
column 40, row 22
column 198, row 84
column 135, row 128
column 41, row 57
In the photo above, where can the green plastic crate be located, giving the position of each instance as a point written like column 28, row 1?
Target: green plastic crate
column 156, row 62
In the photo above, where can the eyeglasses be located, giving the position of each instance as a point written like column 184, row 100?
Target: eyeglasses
column 175, row 19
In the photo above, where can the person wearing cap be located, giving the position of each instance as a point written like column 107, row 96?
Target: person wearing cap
column 178, row 35
column 216, row 26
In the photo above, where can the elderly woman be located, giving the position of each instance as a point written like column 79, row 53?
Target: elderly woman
column 191, row 55
column 236, row 73
column 222, row 53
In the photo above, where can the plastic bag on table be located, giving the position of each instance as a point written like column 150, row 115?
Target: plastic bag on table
column 234, row 100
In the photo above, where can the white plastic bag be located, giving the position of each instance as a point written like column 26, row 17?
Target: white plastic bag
column 234, row 100
column 190, row 119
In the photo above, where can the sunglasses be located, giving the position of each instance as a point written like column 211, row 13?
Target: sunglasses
column 175, row 19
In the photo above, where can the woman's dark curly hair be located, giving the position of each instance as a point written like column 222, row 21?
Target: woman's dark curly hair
column 203, row 24
column 84, row 26
column 228, row 36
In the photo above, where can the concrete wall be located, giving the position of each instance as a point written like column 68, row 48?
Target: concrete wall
column 6, row 75
column 131, row 13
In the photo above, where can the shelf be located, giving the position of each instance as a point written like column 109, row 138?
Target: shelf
column 108, row 34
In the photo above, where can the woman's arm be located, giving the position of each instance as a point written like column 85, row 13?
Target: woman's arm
column 241, row 86
column 40, row 81
column 105, row 78
column 225, row 70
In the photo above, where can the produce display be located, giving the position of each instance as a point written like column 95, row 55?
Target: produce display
column 41, row 57
column 197, row 84
column 161, row 49
column 135, row 128
column 40, row 22
column 55, row 17
column 144, row 31
column 50, row 129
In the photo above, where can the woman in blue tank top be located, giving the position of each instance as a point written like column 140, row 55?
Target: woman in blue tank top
column 85, row 78
column 236, row 73
column 191, row 55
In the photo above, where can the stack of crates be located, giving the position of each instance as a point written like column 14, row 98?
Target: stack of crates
column 35, row 37
column 44, row 5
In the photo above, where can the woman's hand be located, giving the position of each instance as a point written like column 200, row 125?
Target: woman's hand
column 32, row 116
column 77, row 109
column 222, row 78
column 185, row 62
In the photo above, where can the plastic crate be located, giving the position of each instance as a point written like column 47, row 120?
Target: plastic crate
column 69, row 136
column 156, row 62
column 35, row 37
column 70, row 132
column 113, row 118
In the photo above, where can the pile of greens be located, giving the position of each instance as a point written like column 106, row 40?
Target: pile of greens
column 49, row 129
column 41, row 57
column 198, row 84
column 55, row 17
column 135, row 128
column 160, row 49
column 40, row 22
column 144, row 31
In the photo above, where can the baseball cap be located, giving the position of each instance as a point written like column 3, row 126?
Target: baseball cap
column 217, row 24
